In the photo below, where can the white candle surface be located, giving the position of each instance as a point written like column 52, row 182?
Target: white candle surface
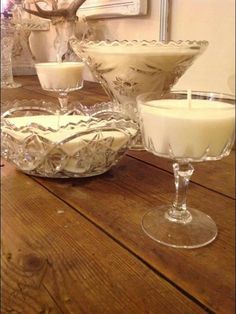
column 115, row 138
column 162, row 58
column 141, row 50
column 60, row 75
column 189, row 132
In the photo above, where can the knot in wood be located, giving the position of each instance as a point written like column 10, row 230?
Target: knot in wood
column 31, row 262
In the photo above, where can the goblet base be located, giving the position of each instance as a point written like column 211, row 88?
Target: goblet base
column 10, row 85
column 196, row 232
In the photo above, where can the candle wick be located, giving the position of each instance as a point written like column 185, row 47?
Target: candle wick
column 189, row 98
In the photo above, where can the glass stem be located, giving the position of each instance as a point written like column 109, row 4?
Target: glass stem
column 63, row 100
column 178, row 211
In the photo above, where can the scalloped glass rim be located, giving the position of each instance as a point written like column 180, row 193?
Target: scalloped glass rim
column 9, row 107
column 91, row 123
column 37, row 131
column 213, row 95
column 96, row 156
column 192, row 44
column 91, row 120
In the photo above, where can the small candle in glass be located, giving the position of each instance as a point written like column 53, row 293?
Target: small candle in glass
column 61, row 77
column 185, row 130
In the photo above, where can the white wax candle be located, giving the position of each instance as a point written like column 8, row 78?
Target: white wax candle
column 187, row 132
column 60, row 75
column 162, row 58
column 115, row 138
column 140, row 50
column 133, row 70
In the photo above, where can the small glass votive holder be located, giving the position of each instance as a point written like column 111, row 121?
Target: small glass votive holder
column 62, row 78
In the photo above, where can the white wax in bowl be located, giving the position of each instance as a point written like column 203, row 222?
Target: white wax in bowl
column 60, row 75
column 188, row 132
column 116, row 139
column 141, row 50
column 164, row 58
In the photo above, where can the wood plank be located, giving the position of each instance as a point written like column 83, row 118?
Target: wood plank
column 20, row 94
column 91, row 94
column 218, row 175
column 22, row 291
column 83, row 269
column 116, row 202
column 30, row 81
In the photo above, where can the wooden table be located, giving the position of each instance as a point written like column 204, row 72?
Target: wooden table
column 77, row 246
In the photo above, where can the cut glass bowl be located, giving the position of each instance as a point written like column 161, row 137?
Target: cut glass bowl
column 40, row 141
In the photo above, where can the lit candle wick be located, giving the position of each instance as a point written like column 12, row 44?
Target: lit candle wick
column 189, row 98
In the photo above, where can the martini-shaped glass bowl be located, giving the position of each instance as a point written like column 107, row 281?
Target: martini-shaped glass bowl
column 126, row 69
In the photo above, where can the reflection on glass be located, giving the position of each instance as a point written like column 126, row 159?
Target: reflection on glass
column 7, row 41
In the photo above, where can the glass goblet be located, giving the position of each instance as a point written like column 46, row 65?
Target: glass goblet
column 61, row 77
column 185, row 130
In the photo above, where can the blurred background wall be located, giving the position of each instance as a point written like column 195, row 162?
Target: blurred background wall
column 212, row 20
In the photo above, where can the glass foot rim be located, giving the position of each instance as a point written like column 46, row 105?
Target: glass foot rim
column 157, row 215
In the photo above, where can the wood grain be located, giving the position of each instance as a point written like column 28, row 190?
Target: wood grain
column 216, row 175
column 116, row 203
column 53, row 247
column 32, row 90
column 22, row 291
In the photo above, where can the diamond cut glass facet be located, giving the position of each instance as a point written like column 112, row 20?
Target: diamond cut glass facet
column 87, row 148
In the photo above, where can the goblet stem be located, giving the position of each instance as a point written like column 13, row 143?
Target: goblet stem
column 178, row 211
column 63, row 100
column 176, row 226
